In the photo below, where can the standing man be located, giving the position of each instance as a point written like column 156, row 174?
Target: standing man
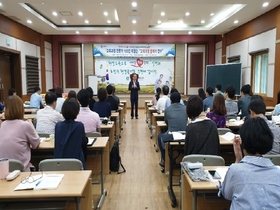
column 134, row 87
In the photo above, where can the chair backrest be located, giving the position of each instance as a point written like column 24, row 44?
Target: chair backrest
column 275, row 159
column 222, row 131
column 63, row 164
column 15, row 165
column 93, row 134
column 44, row 135
column 206, row 160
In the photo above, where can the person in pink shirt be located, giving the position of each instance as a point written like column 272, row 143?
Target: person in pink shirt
column 18, row 137
column 89, row 118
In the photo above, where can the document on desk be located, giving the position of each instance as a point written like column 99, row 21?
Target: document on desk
column 47, row 182
column 178, row 136
column 229, row 136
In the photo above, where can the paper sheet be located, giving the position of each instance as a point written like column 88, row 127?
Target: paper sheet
column 178, row 136
column 229, row 136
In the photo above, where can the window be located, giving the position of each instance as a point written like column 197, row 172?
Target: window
column 259, row 71
column 234, row 59
column 32, row 73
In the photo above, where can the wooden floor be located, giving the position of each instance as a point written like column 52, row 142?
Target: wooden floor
column 143, row 186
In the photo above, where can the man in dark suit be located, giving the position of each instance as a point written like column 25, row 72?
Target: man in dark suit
column 110, row 99
column 175, row 116
column 134, row 87
column 244, row 101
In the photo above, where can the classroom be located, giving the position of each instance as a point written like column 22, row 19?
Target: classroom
column 137, row 48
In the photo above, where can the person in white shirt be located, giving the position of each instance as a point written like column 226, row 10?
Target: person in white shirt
column 90, row 119
column 60, row 100
column 48, row 117
column 161, row 102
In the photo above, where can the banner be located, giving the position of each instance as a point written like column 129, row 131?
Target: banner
column 134, row 50
column 153, row 72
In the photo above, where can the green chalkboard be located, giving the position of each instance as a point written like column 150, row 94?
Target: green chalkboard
column 224, row 74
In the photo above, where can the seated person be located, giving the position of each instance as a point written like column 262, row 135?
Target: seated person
column 91, row 99
column 201, row 93
column 201, row 133
column 276, row 111
column 36, row 100
column 231, row 105
column 218, row 113
column 167, row 103
column 244, row 101
column 161, row 102
column 257, row 109
column 89, row 118
column 253, row 181
column 18, row 137
column 157, row 96
column 176, row 119
column 102, row 108
column 218, row 89
column 70, row 137
column 114, row 95
column 114, row 104
column 60, row 99
column 208, row 101
column 48, row 117
column 72, row 94
column 12, row 92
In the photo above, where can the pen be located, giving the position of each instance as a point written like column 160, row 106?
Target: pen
column 38, row 183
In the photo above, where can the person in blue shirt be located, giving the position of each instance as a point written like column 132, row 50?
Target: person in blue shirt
column 70, row 137
column 168, row 101
column 102, row 107
column 253, row 182
column 208, row 101
column 36, row 100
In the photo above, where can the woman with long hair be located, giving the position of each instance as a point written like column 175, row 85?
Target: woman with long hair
column 157, row 96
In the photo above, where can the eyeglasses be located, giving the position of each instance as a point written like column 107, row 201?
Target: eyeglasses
column 31, row 179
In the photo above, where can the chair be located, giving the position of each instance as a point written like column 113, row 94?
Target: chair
column 275, row 159
column 44, row 135
column 15, row 165
column 63, row 164
column 206, row 160
column 93, row 134
column 222, row 131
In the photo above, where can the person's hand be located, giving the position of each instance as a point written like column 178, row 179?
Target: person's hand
column 237, row 148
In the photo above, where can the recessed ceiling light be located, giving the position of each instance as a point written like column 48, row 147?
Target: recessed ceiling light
column 212, row 14
column 190, row 32
column 43, row 3
column 235, row 22
column 162, row 13
column 134, row 21
column 203, row 21
column 64, row 21
column 133, row 32
column 265, row 4
column 187, row 13
column 77, row 32
column 54, row 13
column 161, row 32
column 159, row 22
column 105, row 13
column 105, row 32
column 134, row 4
column 29, row 21
column 80, row 13
column 86, row 21
column 101, row 3
column 109, row 21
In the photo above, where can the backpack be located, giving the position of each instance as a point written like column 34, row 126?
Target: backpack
column 115, row 159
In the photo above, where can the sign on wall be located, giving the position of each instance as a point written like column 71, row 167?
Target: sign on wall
column 134, row 50
column 153, row 72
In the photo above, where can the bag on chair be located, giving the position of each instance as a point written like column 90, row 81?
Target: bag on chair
column 115, row 159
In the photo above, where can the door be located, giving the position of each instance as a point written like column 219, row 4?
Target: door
column 5, row 75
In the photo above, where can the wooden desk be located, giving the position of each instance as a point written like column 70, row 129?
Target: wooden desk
column 190, row 191
column 121, row 114
column 160, row 125
column 46, row 150
column 115, row 116
column 30, row 110
column 156, row 117
column 75, row 185
column 269, row 108
column 110, row 128
column 233, row 125
column 26, row 116
column 124, row 108
column 147, row 105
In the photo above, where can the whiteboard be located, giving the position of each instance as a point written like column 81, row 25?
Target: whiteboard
column 92, row 82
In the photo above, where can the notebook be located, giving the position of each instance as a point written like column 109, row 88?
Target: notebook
column 91, row 141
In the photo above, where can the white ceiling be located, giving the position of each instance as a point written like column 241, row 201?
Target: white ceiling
column 146, row 13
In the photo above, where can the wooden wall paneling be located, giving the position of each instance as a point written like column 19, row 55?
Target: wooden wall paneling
column 196, row 69
column 19, row 31
column 16, row 73
column 71, row 70
column 277, row 59
column 43, row 64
